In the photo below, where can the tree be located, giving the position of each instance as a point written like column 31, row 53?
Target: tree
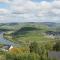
column 57, row 46
column 34, row 47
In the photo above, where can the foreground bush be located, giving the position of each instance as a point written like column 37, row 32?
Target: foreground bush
column 23, row 56
column 56, row 47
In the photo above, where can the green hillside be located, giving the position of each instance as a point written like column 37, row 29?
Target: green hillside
column 26, row 32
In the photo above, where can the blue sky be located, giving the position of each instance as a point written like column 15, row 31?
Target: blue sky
column 4, row 5
column 29, row 11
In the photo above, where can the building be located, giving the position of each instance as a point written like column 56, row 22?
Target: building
column 7, row 47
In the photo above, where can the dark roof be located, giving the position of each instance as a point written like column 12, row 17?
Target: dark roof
column 6, row 47
column 52, row 33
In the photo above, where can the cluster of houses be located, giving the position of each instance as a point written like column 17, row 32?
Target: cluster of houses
column 6, row 47
column 52, row 33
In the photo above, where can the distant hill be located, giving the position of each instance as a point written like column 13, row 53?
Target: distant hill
column 42, row 25
column 50, row 24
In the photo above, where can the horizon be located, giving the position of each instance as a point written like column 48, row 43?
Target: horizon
column 29, row 11
column 31, row 22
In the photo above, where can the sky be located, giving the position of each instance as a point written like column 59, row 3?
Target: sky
column 29, row 11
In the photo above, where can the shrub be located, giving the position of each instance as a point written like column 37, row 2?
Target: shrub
column 34, row 47
column 57, row 46
column 23, row 56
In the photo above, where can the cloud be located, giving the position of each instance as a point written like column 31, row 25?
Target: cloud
column 3, row 19
column 40, row 11
column 28, row 10
column 4, row 1
column 24, row 6
column 4, row 11
column 56, row 4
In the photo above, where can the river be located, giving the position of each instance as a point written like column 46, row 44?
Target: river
column 5, row 41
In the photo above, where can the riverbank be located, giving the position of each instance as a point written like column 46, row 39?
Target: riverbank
column 5, row 41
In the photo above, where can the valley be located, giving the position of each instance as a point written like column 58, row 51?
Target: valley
column 39, row 37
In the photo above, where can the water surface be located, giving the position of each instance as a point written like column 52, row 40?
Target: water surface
column 5, row 41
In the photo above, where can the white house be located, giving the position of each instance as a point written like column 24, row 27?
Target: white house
column 10, row 47
column 7, row 47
